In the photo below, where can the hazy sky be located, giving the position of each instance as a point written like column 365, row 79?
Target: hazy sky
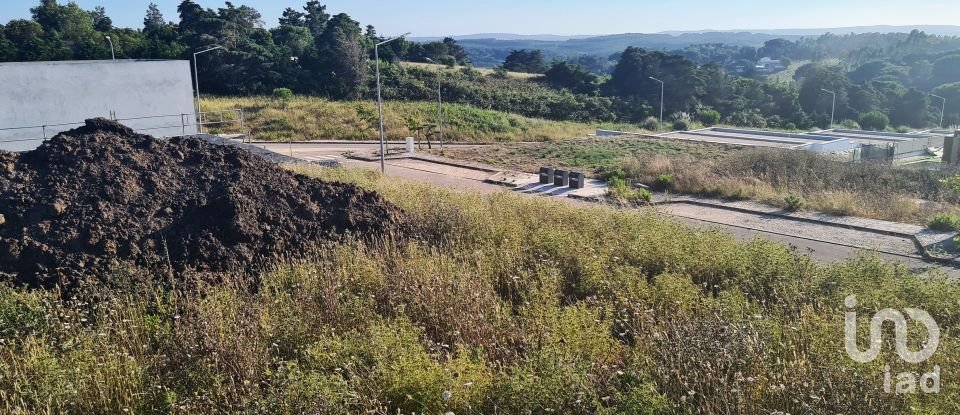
column 568, row 17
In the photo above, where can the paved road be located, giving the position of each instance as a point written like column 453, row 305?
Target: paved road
column 841, row 247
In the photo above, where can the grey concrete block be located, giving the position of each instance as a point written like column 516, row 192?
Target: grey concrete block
column 546, row 175
column 561, row 178
column 578, row 180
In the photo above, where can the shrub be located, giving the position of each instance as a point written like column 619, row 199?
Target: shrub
column 681, row 125
column 850, row 124
column 794, row 203
column 789, row 126
column 903, row 129
column 740, row 194
column 944, row 222
column 500, row 73
column 709, row 117
column 640, row 195
column 282, row 94
column 874, row 120
column 664, row 181
column 750, row 118
column 619, row 188
column 650, row 124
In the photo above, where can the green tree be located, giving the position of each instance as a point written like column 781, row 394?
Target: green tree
column 874, row 120
column 572, row 77
column 343, row 58
column 101, row 22
column 952, row 93
column 530, row 61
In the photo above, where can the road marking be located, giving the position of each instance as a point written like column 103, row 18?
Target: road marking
column 319, row 158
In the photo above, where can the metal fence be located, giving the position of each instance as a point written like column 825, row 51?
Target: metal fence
column 222, row 122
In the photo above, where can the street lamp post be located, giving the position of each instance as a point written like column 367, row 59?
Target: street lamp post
column 833, row 111
column 662, row 86
column 383, row 142
column 196, row 76
column 113, row 56
column 439, row 99
column 943, row 108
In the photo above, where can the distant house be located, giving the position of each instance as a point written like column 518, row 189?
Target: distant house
column 768, row 65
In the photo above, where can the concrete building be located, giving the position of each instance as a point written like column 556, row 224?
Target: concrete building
column 40, row 99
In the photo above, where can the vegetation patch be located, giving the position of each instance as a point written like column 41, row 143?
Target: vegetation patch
column 509, row 305
column 801, row 179
column 308, row 118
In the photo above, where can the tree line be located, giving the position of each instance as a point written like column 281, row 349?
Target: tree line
column 310, row 50
column 314, row 51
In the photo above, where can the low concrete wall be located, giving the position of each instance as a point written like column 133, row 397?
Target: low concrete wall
column 34, row 94
column 833, row 146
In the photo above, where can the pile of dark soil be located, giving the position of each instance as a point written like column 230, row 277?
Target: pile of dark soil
column 100, row 196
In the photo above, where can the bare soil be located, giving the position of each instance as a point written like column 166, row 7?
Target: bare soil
column 101, row 197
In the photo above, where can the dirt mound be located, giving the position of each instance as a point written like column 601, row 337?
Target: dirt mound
column 100, row 195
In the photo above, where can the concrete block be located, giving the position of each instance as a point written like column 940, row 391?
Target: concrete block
column 546, row 175
column 561, row 178
column 578, row 180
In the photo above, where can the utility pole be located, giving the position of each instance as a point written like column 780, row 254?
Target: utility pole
column 834, row 110
column 196, row 75
column 662, row 86
column 113, row 56
column 943, row 108
column 383, row 142
column 439, row 99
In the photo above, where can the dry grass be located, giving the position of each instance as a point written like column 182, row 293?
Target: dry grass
column 310, row 118
column 878, row 191
column 513, row 305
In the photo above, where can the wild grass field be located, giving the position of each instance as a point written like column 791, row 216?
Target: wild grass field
column 309, row 118
column 870, row 190
column 596, row 155
column 501, row 305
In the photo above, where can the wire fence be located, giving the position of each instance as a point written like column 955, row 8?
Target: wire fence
column 222, row 122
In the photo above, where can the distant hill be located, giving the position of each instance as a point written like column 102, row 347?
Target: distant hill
column 488, row 52
column 503, row 36
column 490, row 49
column 941, row 30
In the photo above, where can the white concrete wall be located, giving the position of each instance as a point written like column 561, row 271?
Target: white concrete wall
column 833, row 146
column 34, row 94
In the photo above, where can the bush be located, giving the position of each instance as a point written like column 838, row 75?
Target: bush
column 619, row 188
column 944, row 222
column 650, row 124
column 664, row 182
column 640, row 195
column 850, row 124
column 794, row 203
column 709, row 117
column 790, row 126
column 681, row 125
column 874, row 120
column 751, row 118
column 903, row 129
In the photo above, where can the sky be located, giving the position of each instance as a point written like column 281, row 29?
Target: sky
column 566, row 17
